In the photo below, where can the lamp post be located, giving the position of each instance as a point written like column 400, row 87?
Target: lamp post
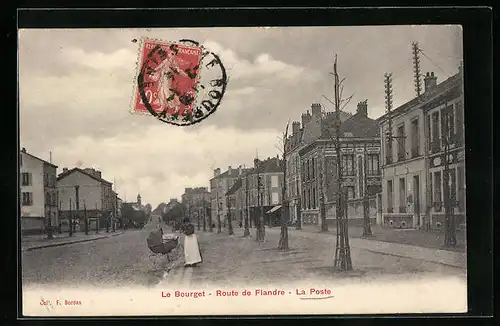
column 219, row 227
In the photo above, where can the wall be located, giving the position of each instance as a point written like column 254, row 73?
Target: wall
column 35, row 167
column 89, row 193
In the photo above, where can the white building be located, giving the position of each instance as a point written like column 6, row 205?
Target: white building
column 86, row 191
column 38, row 193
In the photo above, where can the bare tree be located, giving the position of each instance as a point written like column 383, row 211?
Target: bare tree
column 283, row 242
column 342, row 249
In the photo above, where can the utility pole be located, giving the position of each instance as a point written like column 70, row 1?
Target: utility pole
column 96, row 221
column 204, row 212
column 367, row 231
column 416, row 68
column 322, row 208
column 85, row 216
column 342, row 250
column 260, row 231
column 246, row 233
column 77, row 205
column 450, row 239
column 230, row 224
column 283, row 242
column 70, row 219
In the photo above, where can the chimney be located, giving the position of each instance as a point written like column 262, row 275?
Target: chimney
column 229, row 170
column 216, row 172
column 23, row 150
column 255, row 162
column 316, row 110
column 239, row 170
column 278, row 160
column 65, row 170
column 295, row 127
column 430, row 81
column 362, row 108
column 306, row 118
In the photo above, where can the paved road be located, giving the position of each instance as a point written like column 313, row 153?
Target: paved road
column 120, row 260
column 124, row 260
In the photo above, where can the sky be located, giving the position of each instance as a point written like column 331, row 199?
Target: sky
column 76, row 87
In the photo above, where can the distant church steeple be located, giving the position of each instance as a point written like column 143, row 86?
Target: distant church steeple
column 139, row 199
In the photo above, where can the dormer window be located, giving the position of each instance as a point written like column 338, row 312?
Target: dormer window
column 348, row 134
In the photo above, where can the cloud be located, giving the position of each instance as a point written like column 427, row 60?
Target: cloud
column 121, row 58
column 163, row 160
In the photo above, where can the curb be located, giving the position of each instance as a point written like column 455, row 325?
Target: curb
column 59, row 244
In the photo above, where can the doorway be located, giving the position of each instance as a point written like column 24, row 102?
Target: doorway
column 416, row 196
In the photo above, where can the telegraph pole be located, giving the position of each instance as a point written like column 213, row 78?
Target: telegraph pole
column 367, row 231
column 85, row 216
column 204, row 212
column 283, row 243
column 230, row 224
column 70, row 219
column 342, row 250
column 246, row 233
column 450, row 239
column 416, row 68
column 260, row 231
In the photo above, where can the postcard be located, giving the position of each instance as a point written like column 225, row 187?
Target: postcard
column 242, row 171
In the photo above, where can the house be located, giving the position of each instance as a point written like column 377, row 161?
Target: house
column 38, row 193
column 236, row 201
column 197, row 200
column 268, row 198
column 413, row 185
column 360, row 167
column 219, row 186
column 302, row 134
column 83, row 192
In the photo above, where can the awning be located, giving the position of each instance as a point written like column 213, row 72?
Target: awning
column 274, row 209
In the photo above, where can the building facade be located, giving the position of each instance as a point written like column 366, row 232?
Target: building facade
column 196, row 200
column 38, row 193
column 303, row 134
column 84, row 191
column 414, row 161
column 360, row 155
column 219, row 186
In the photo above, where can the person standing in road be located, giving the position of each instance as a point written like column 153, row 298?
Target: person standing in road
column 192, row 254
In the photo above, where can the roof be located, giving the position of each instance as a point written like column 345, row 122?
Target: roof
column 237, row 185
column 360, row 126
column 234, row 173
column 65, row 174
column 442, row 87
column 35, row 157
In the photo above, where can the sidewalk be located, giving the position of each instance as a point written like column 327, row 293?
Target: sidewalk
column 431, row 254
column 29, row 243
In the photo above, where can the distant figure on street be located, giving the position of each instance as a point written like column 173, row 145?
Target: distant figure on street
column 192, row 254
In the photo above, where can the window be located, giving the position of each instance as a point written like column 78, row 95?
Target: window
column 415, row 138
column 453, row 185
column 26, row 179
column 303, row 170
column 314, row 198
column 304, row 197
column 274, row 181
column 348, row 164
column 20, row 159
column 402, row 195
column 428, row 130
column 447, row 125
column 48, row 199
column 308, row 199
column 436, row 146
column 27, row 198
column 437, row 191
column 350, row 192
column 460, row 123
column 390, row 196
column 313, row 168
column 275, row 198
column 401, row 143
column 461, row 188
column 373, row 164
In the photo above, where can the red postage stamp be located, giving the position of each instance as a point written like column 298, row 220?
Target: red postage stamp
column 170, row 77
column 170, row 85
